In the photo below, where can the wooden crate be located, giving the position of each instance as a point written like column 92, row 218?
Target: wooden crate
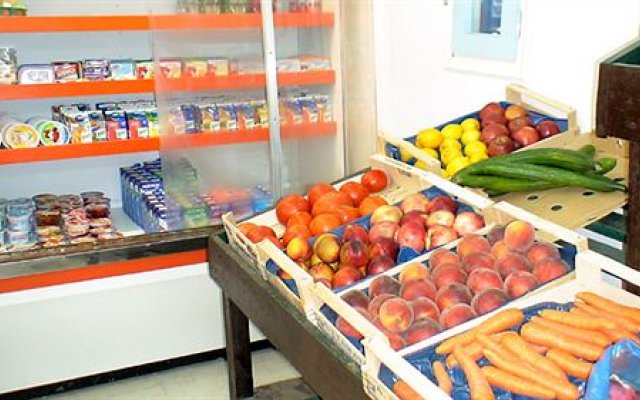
column 593, row 272
column 515, row 94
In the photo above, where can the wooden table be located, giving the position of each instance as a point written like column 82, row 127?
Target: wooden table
column 246, row 296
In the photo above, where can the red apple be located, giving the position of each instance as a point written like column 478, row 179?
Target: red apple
column 386, row 229
column 526, row 136
column 501, row 145
column 491, row 109
column 491, row 132
column 547, row 129
column 411, row 235
column 415, row 202
column 345, row 276
column 442, row 203
column 494, row 119
column 518, row 123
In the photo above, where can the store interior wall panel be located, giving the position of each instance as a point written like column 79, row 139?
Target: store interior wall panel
column 107, row 7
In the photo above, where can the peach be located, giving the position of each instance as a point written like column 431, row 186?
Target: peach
column 478, row 260
column 384, row 247
column 445, row 274
column 425, row 308
column 540, row 251
column 549, row 269
column 417, row 217
column 386, row 213
column 411, row 235
column 385, row 229
column 496, row 234
column 380, row 264
column 519, row 283
column 418, row 288
column 327, row 248
column 396, row 341
column 415, row 202
column 488, row 300
column 519, row 235
column 299, row 249
column 452, row 294
column 439, row 236
column 468, row 222
column 321, row 271
column 515, row 111
column 442, row 256
column 471, row 243
column 440, row 218
column 456, row 315
column 396, row 315
column 499, row 249
column 413, row 271
column 346, row 329
column 354, row 254
column 345, row 276
column 376, row 302
column 355, row 298
column 442, row 203
column 355, row 232
column 483, row 278
column 422, row 330
column 511, row 262
column 383, row 284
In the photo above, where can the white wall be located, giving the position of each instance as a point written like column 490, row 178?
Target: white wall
column 561, row 42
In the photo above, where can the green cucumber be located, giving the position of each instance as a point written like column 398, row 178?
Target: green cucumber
column 495, row 185
column 562, row 158
column 588, row 150
column 606, row 165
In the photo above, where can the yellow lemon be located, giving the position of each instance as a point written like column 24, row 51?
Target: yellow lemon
column 452, row 131
column 474, row 158
column 429, row 138
column 470, row 136
column 457, row 165
column 476, row 147
column 425, row 166
column 450, row 143
column 447, row 155
column 470, row 124
column 405, row 155
column 431, row 152
column 445, row 174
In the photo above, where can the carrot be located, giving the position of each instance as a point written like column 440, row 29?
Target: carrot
column 538, row 348
column 570, row 364
column 478, row 385
column 444, row 380
column 474, row 349
column 564, row 390
column 404, row 392
column 514, row 384
column 499, row 322
column 626, row 323
column 609, row 306
column 495, row 347
column 554, row 338
column 577, row 320
column 517, row 345
column 588, row 335
column 615, row 335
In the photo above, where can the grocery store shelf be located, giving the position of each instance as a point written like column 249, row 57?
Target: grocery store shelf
column 246, row 136
column 84, row 23
column 50, row 153
column 124, row 224
column 98, row 88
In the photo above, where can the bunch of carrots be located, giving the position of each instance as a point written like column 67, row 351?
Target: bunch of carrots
column 537, row 361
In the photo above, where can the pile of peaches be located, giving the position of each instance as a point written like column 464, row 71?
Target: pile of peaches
column 482, row 274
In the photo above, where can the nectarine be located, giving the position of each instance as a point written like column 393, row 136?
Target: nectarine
column 345, row 276
column 415, row 202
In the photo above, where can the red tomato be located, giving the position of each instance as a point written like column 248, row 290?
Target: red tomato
column 289, row 205
column 329, row 201
column 259, row 233
column 370, row 204
column 324, row 223
column 300, row 218
column 317, row 191
column 275, row 241
column 375, row 180
column 357, row 191
column 245, row 227
column 345, row 213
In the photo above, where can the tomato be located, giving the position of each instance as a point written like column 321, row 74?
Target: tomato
column 300, row 218
column 296, row 230
column 346, row 214
column 324, row 223
column 375, row 180
column 370, row 204
column 289, row 205
column 259, row 233
column 276, row 242
column 317, row 191
column 329, row 201
column 356, row 191
column 246, row 227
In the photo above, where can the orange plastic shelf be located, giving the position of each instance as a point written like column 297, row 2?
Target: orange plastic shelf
column 15, row 156
column 83, row 23
column 97, row 88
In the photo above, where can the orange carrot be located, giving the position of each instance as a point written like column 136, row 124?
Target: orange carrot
column 404, row 392
column 609, row 306
column 499, row 322
column 588, row 335
column 564, row 390
column 517, row 345
column 478, row 385
column 577, row 320
column 570, row 364
column 615, row 335
column 515, row 384
column 474, row 349
column 540, row 349
column 554, row 338
column 626, row 323
column 444, row 380
column 495, row 347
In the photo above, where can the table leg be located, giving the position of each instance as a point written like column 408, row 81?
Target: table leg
column 236, row 327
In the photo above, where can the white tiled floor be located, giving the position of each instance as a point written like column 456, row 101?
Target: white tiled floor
column 200, row 381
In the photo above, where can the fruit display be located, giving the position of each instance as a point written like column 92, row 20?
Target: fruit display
column 541, row 169
column 476, row 277
column 545, row 351
column 497, row 129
